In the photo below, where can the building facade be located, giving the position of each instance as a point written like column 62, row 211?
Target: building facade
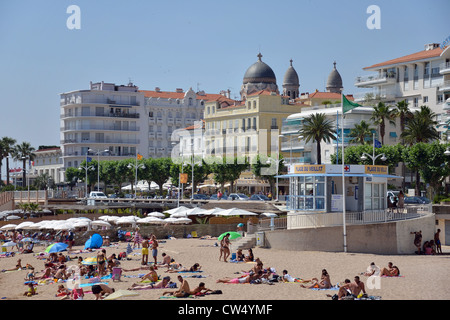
column 421, row 78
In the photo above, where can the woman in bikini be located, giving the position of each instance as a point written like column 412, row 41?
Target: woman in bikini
column 324, row 283
column 225, row 244
column 101, row 260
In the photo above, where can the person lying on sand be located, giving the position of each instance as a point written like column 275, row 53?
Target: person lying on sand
column 159, row 285
column 17, row 267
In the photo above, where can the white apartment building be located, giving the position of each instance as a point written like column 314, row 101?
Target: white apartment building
column 107, row 121
column 170, row 111
column 421, row 78
column 48, row 161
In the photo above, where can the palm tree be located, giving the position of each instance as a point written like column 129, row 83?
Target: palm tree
column 318, row 128
column 421, row 127
column 380, row 114
column 6, row 145
column 402, row 112
column 361, row 132
column 23, row 152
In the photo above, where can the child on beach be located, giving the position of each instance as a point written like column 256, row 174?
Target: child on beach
column 31, row 290
column 62, row 292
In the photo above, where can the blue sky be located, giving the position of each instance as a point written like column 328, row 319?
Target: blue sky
column 199, row 44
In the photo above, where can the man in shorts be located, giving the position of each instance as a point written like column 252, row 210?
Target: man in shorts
column 154, row 243
column 351, row 289
column 145, row 246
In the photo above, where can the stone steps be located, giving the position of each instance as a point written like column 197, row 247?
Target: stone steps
column 247, row 242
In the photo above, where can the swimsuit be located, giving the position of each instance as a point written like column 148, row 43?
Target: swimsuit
column 145, row 251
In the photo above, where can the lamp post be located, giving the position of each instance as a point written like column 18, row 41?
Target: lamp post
column 97, row 152
column 86, row 168
column 373, row 157
column 136, row 166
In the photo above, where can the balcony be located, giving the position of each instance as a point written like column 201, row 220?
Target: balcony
column 374, row 95
column 104, row 141
column 295, row 145
column 377, row 79
column 159, row 121
column 159, row 135
column 103, row 115
column 170, row 121
column 151, row 135
column 99, row 128
column 444, row 68
column 444, row 86
column 151, row 150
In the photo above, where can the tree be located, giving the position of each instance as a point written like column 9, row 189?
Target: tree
column 402, row 112
column 380, row 114
column 72, row 176
column 438, row 166
column 360, row 133
column 42, row 181
column 263, row 169
column 318, row 128
column 6, row 147
column 157, row 170
column 415, row 157
column 228, row 172
column 23, row 152
column 421, row 127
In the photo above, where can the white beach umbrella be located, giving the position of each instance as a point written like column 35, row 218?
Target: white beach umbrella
column 33, row 226
column 214, row 211
column 235, row 212
column 184, row 220
column 127, row 220
column 175, row 210
column 153, row 220
column 269, row 214
column 156, row 214
column 101, row 223
column 9, row 244
column 109, row 218
column 10, row 226
column 196, row 211
column 170, row 220
column 63, row 226
column 23, row 224
column 12, row 217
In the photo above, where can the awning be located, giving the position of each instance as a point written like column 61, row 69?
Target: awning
column 389, row 176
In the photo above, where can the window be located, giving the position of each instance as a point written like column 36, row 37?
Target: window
column 274, row 123
column 150, row 114
column 308, row 193
column 416, row 102
column 440, row 98
column 425, row 99
column 374, row 196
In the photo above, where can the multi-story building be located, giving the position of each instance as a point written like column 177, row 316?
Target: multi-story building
column 170, row 111
column 421, row 78
column 48, row 161
column 106, row 121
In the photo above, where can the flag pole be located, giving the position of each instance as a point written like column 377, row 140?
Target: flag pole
column 343, row 177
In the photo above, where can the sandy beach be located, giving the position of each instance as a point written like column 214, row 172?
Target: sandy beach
column 423, row 277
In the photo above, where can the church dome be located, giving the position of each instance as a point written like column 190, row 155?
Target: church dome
column 334, row 82
column 259, row 72
column 291, row 76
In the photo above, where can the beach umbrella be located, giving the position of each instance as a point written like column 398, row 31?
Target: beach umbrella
column 64, row 225
column 109, row 218
column 151, row 220
column 269, row 214
column 170, row 220
column 120, row 294
column 10, row 226
column 183, row 220
column 27, row 239
column 13, row 217
column 233, row 235
column 24, row 224
column 196, row 211
column 56, row 247
column 214, row 211
column 235, row 212
column 174, row 210
column 9, row 244
column 181, row 214
column 156, row 214
column 31, row 226
column 101, row 223
column 89, row 261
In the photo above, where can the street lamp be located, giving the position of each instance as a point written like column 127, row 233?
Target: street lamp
column 136, row 166
column 447, row 152
column 86, row 168
column 97, row 152
column 373, row 157
column 277, row 161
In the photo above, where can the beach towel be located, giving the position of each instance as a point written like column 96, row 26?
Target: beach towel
column 91, row 284
column 335, row 287
column 190, row 271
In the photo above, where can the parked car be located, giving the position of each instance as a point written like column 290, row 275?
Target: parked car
column 414, row 200
column 214, row 197
column 97, row 195
column 238, row 196
column 425, row 200
column 200, row 196
column 259, row 197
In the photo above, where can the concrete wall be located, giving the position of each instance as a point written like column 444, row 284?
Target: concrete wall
column 382, row 238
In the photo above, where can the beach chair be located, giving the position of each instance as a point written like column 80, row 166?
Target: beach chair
column 116, row 274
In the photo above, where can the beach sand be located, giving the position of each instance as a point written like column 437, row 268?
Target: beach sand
column 423, row 277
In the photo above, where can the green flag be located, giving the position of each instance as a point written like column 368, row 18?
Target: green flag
column 348, row 105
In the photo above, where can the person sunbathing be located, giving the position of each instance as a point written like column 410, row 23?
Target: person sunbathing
column 17, row 267
column 152, row 275
column 390, row 271
column 184, row 290
column 324, row 282
column 159, row 285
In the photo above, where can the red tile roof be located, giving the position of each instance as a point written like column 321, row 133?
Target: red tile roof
column 327, row 95
column 180, row 95
column 425, row 54
column 196, row 126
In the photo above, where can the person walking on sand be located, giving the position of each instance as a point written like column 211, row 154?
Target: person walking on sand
column 417, row 240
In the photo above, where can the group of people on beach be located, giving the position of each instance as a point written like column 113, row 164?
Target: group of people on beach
column 430, row 247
